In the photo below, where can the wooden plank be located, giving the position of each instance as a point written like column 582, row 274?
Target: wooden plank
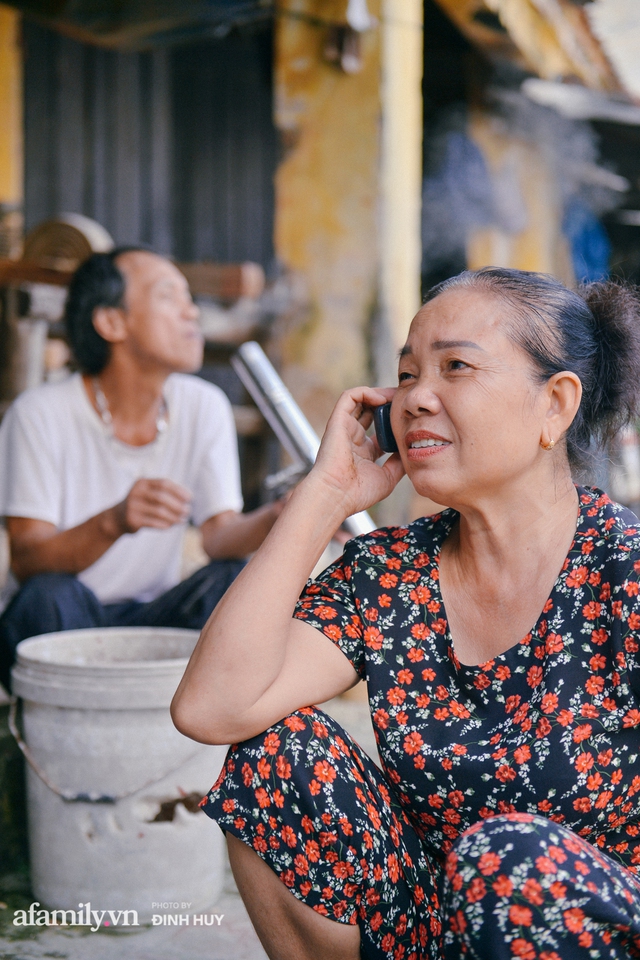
column 27, row 271
column 225, row 149
column 224, row 281
column 173, row 147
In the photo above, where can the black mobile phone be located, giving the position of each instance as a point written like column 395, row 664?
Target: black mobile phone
column 384, row 433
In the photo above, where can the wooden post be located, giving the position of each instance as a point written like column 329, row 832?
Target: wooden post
column 11, row 150
column 400, row 204
column 400, row 175
column 11, row 183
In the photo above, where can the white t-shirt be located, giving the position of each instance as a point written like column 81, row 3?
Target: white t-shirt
column 59, row 464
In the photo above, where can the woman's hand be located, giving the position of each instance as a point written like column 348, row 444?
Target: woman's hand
column 346, row 461
column 253, row 664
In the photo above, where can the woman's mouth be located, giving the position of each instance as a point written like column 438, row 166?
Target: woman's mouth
column 419, row 444
column 422, row 444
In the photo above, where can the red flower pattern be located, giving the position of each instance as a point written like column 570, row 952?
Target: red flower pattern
column 549, row 727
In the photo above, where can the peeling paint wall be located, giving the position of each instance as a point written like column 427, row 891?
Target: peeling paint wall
column 348, row 195
column 326, row 206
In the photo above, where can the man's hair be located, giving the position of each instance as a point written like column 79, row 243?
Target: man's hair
column 96, row 283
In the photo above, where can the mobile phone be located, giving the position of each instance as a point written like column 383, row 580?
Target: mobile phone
column 384, row 433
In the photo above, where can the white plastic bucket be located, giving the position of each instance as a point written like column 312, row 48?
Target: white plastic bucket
column 96, row 721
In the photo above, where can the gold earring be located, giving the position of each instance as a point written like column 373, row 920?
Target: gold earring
column 548, row 446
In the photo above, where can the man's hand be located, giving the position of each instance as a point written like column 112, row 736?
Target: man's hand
column 231, row 535
column 37, row 547
column 153, row 503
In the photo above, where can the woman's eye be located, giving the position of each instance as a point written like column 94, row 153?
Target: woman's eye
column 457, row 365
column 404, row 376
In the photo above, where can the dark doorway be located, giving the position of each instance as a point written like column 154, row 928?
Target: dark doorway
column 172, row 147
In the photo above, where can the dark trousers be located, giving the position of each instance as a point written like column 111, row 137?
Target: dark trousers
column 50, row 602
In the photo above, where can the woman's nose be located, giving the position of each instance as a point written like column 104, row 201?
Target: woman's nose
column 421, row 398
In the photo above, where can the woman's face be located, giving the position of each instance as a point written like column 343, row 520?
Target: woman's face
column 468, row 414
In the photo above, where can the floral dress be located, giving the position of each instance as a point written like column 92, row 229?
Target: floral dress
column 505, row 821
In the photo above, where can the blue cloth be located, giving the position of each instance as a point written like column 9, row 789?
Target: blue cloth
column 49, row 602
column 590, row 246
column 458, row 196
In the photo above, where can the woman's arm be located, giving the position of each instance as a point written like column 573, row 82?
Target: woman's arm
column 253, row 663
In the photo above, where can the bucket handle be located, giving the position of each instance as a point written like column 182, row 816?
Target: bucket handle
column 68, row 795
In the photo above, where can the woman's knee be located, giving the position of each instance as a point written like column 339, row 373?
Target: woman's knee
column 523, row 855
column 295, row 760
column 286, row 747
column 542, row 883
column 519, row 827
column 489, row 847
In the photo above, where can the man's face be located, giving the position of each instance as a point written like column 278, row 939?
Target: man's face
column 160, row 317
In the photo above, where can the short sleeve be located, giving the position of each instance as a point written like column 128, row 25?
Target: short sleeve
column 328, row 604
column 216, row 487
column 626, row 609
column 29, row 472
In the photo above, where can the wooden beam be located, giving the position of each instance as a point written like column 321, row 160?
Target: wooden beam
column 224, row 281
column 30, row 271
column 550, row 37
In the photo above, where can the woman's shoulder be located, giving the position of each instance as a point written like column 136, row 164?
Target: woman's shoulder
column 422, row 538
column 607, row 527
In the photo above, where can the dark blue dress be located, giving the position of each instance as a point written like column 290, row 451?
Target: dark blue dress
column 506, row 819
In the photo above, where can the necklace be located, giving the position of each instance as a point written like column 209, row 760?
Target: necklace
column 105, row 414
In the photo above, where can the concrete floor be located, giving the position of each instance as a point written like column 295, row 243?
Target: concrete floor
column 232, row 939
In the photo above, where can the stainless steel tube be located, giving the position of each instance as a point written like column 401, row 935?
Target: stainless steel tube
column 284, row 416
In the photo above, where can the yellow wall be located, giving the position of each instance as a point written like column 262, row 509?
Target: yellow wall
column 348, row 194
column 10, row 107
column 326, row 207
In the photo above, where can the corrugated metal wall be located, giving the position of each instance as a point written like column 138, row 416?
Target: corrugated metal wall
column 175, row 148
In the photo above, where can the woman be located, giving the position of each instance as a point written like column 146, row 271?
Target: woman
column 499, row 640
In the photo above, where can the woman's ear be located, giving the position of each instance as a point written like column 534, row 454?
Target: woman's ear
column 109, row 323
column 564, row 392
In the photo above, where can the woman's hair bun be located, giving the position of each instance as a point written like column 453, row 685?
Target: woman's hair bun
column 614, row 397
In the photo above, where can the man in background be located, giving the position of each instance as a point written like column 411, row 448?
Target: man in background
column 100, row 474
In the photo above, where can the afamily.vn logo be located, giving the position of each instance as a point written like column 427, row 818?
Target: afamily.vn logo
column 83, row 917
